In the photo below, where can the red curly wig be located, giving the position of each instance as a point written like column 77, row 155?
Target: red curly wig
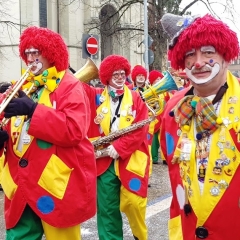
column 205, row 31
column 113, row 63
column 49, row 43
column 153, row 75
column 138, row 69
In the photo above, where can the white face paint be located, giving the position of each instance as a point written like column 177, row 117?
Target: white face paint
column 140, row 78
column 116, row 80
column 207, row 52
column 214, row 71
column 121, row 84
column 33, row 55
column 38, row 66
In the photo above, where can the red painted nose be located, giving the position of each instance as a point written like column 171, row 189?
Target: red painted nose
column 197, row 65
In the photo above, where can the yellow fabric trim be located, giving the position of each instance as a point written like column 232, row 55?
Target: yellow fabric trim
column 203, row 204
column 51, row 232
column 127, row 103
column 210, row 202
column 15, row 134
column 44, row 99
column 137, row 163
column 55, row 176
column 175, row 228
column 152, row 126
column 9, row 186
column 116, row 167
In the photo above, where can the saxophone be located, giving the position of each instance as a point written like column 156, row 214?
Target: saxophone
column 100, row 142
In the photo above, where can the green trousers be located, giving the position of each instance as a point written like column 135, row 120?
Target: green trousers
column 155, row 147
column 113, row 199
column 29, row 227
column 109, row 219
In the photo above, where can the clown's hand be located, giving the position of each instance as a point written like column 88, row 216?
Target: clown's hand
column 22, row 105
column 112, row 152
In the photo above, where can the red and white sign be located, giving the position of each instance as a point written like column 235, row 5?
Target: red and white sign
column 92, row 45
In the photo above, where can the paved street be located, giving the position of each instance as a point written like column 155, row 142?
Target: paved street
column 159, row 197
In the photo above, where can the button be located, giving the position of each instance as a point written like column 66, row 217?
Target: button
column 201, row 232
column 23, row 162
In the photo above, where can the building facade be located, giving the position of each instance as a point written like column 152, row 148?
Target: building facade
column 72, row 20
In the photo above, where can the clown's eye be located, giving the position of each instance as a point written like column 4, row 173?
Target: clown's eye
column 33, row 53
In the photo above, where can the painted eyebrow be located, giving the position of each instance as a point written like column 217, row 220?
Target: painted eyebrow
column 31, row 50
column 121, row 71
column 207, row 48
column 190, row 51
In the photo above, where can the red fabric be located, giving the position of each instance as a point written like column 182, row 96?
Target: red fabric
column 65, row 128
column 218, row 227
column 125, row 145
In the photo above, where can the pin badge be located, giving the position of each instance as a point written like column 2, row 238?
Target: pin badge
column 102, row 98
column 124, row 113
column 214, row 191
column 179, row 131
column 98, row 118
column 26, row 139
column 130, row 112
column 223, row 184
column 17, row 122
column 231, row 110
column 104, row 110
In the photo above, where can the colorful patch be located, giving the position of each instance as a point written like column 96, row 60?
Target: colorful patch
column 97, row 99
column 135, row 184
column 43, row 145
column 45, row 73
column 170, row 143
column 45, row 204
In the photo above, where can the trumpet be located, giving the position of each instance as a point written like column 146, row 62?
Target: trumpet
column 11, row 92
column 151, row 94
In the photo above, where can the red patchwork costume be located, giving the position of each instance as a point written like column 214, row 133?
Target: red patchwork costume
column 50, row 170
column 126, row 175
column 200, row 131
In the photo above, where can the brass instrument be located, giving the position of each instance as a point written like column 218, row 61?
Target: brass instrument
column 10, row 93
column 88, row 72
column 100, row 142
column 151, row 94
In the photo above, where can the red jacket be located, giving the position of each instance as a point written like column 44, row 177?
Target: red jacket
column 125, row 145
column 60, row 148
column 224, row 220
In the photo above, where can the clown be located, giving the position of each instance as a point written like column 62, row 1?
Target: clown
column 123, row 174
column 49, row 173
column 206, row 116
column 139, row 77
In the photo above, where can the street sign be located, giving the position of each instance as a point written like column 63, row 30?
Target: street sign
column 150, row 56
column 150, row 41
column 92, row 45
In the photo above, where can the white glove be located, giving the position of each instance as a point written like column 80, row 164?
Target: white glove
column 112, row 152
